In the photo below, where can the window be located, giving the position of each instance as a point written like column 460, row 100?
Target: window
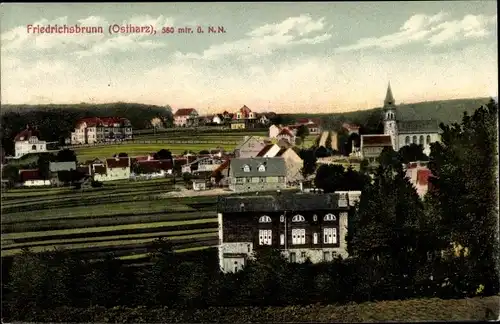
column 315, row 217
column 330, row 235
column 262, row 168
column 298, row 218
column 315, row 238
column 265, row 219
column 326, row 256
column 407, row 140
column 262, row 179
column 239, row 180
column 421, row 139
column 298, row 236
column 282, row 218
column 246, row 168
column 414, row 139
column 303, row 255
column 33, row 147
column 330, row 217
column 293, row 257
column 265, row 237
column 428, row 139
column 282, row 239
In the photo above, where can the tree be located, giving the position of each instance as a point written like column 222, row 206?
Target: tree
column 330, row 178
column 163, row 154
column 66, row 155
column 309, row 162
column 11, row 173
column 321, row 152
column 411, row 153
column 122, row 155
column 203, row 152
column 302, row 132
column 464, row 166
column 43, row 164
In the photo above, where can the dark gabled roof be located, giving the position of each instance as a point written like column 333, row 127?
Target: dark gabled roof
column 418, row 126
column 376, row 140
column 26, row 134
column 389, row 98
column 184, row 112
column 283, row 202
column 265, row 150
column 118, row 163
column 281, row 151
column 30, row 174
column 100, row 169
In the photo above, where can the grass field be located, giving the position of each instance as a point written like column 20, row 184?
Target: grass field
column 105, row 219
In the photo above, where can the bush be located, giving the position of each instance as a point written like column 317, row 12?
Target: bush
column 96, row 184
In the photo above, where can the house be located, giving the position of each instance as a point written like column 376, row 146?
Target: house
column 351, row 128
column 101, row 129
column 419, row 174
column 151, row 168
column 203, row 164
column 114, row 169
column 270, row 150
column 244, row 118
column 222, row 171
column 56, row 167
column 287, row 135
column 257, row 174
column 199, row 184
column 249, row 147
column 186, row 117
column 28, row 141
column 406, row 132
column 218, row 119
column 157, row 123
column 274, row 130
column 32, row 178
column 293, row 164
column 372, row 145
column 302, row 226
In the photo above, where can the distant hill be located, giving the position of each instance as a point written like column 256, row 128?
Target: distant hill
column 55, row 122
column 445, row 111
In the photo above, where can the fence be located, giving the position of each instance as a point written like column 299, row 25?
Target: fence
column 215, row 142
column 201, row 129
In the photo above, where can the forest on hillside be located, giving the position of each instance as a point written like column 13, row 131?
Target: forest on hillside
column 56, row 122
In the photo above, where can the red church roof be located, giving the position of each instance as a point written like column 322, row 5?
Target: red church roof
column 26, row 134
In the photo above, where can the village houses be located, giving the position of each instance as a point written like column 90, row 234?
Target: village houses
column 244, row 118
column 101, row 129
column 28, row 141
column 113, row 169
column 303, row 226
column 186, row 117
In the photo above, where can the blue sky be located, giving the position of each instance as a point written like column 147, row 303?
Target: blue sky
column 285, row 57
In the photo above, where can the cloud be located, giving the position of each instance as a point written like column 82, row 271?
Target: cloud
column 21, row 38
column 428, row 29
column 266, row 39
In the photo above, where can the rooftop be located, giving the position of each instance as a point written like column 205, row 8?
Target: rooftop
column 376, row 140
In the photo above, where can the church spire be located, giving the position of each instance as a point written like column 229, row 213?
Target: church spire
column 389, row 99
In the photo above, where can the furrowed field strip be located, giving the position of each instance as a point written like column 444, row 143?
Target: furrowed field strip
column 14, row 236
column 108, row 238
column 101, row 244
column 146, row 255
column 61, row 224
column 139, row 207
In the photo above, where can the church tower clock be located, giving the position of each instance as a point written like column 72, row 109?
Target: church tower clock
column 390, row 122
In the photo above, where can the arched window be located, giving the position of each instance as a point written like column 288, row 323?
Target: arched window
column 262, row 168
column 428, row 139
column 421, row 140
column 282, row 218
column 414, row 139
column 246, row 168
column 33, row 147
column 407, row 140
column 298, row 218
column 315, row 217
column 265, row 219
column 330, row 217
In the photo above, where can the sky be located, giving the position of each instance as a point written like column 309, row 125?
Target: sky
column 282, row 57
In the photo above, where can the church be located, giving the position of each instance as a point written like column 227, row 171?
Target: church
column 406, row 132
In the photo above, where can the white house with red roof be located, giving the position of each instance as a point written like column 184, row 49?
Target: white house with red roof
column 419, row 174
column 114, row 169
column 186, row 117
column 243, row 118
column 286, row 134
column 32, row 178
column 28, row 141
column 101, row 129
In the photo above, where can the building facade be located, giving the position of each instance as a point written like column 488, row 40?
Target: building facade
column 406, row 132
column 186, row 117
column 28, row 141
column 293, row 164
column 373, row 145
column 303, row 226
column 249, row 147
column 114, row 169
column 101, row 129
column 244, row 118
column 257, row 174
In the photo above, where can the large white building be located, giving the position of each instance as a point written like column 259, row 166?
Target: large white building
column 406, row 132
column 28, row 141
column 101, row 129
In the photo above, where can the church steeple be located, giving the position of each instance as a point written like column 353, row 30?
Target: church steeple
column 389, row 98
